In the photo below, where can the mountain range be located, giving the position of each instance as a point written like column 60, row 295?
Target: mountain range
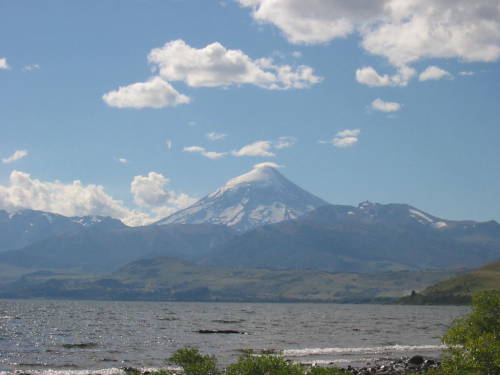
column 259, row 220
column 23, row 227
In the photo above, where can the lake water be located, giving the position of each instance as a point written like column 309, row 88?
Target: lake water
column 100, row 337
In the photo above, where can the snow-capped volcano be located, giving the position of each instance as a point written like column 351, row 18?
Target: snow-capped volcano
column 261, row 196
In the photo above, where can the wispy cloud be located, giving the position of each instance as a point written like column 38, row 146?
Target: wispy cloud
column 168, row 144
column 31, row 67
column 213, row 136
column 19, row 154
column 203, row 152
column 285, row 142
column 344, row 138
column 122, row 160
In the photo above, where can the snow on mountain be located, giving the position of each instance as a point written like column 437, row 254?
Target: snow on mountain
column 261, row 196
column 23, row 227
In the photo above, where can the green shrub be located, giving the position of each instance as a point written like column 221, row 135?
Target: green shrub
column 194, row 363
column 473, row 341
column 264, row 365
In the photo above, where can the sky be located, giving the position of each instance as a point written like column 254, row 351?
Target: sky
column 137, row 108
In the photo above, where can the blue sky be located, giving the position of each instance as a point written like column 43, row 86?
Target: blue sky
column 150, row 104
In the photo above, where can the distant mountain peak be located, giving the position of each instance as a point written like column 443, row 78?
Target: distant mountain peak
column 258, row 197
column 262, row 175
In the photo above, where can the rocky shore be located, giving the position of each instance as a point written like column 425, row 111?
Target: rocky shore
column 403, row 366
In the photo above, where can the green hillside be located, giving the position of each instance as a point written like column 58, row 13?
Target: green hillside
column 173, row 279
column 460, row 289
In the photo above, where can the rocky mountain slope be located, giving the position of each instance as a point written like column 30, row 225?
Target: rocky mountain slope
column 371, row 237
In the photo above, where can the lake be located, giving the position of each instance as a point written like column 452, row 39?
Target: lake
column 100, row 337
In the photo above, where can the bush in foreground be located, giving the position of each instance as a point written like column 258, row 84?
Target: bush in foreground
column 194, row 363
column 473, row 341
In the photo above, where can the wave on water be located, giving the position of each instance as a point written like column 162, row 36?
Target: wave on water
column 372, row 350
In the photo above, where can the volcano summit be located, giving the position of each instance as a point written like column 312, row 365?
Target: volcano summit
column 261, row 196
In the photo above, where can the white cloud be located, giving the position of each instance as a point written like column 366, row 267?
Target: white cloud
column 467, row 73
column 285, row 142
column 267, row 164
column 349, row 133
column 168, row 144
column 213, row 136
column 203, row 152
column 433, row 73
column 344, row 138
column 216, row 66
column 151, row 192
column 155, row 93
column 344, row 142
column 4, row 64
column 122, row 160
column 73, row 199
column 76, row 199
column 297, row 54
column 379, row 105
column 31, row 67
column 369, row 76
column 259, row 148
column 403, row 31
column 19, row 154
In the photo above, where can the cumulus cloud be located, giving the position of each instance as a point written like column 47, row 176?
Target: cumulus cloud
column 434, row 73
column 369, row 76
column 379, row 105
column 151, row 192
column 203, row 152
column 285, row 142
column 19, row 154
column 73, row 199
column 259, row 148
column 344, row 138
column 77, row 199
column 213, row 136
column 4, row 64
column 215, row 66
column 155, row 93
column 403, row 31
